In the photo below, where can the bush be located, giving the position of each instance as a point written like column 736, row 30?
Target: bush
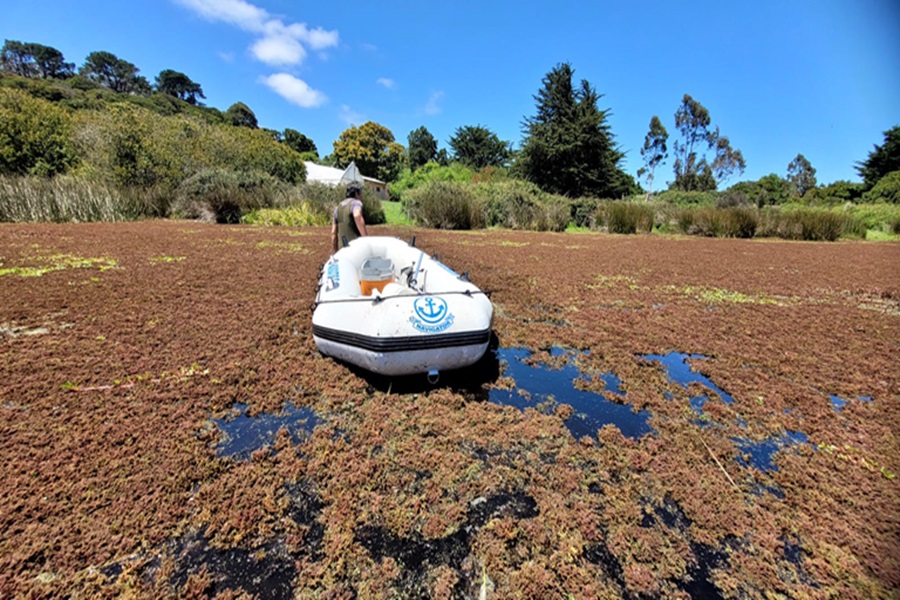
column 679, row 197
column 627, row 217
column 429, row 172
column 807, row 223
column 839, row 192
column 886, row 190
column 34, row 136
column 740, row 222
column 223, row 196
column 443, row 205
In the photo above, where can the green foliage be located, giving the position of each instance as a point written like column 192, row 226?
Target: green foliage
column 443, row 205
column 682, row 197
column 114, row 73
column 178, row 85
column 886, row 190
column 292, row 216
column 767, row 191
column 373, row 148
column 839, row 192
column 737, row 221
column 29, row 59
column 478, row 147
column 568, row 147
column 34, row 135
column 395, row 215
column 300, row 143
column 806, row 223
column 874, row 217
column 801, row 175
column 654, row 150
column 627, row 217
column 422, row 148
column 693, row 171
column 431, row 171
column 517, row 204
column 882, row 159
column 240, row 115
column 224, row 196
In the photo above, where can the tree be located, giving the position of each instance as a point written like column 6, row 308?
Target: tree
column 179, row 85
column 478, row 147
column 882, row 159
column 654, row 150
column 373, row 148
column 568, row 147
column 34, row 60
column 692, row 170
column 299, row 142
column 112, row 72
column 422, row 147
column 240, row 115
column 801, row 175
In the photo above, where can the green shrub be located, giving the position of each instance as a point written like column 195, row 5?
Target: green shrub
column 293, row 216
column 442, row 205
column 739, row 221
column 808, row 223
column 34, row 135
column 429, row 172
column 886, row 190
column 584, row 211
column 839, row 192
column 627, row 217
column 224, row 196
column 679, row 197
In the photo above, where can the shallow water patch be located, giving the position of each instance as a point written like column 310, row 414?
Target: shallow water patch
column 539, row 386
column 243, row 434
column 759, row 454
column 679, row 371
column 838, row 403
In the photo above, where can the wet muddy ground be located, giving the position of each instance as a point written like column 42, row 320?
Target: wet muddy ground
column 656, row 417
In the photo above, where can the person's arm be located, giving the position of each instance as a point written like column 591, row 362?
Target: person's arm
column 360, row 221
column 334, row 236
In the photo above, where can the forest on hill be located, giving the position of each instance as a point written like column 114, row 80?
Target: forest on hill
column 101, row 142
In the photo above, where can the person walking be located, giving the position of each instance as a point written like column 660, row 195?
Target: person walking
column 348, row 223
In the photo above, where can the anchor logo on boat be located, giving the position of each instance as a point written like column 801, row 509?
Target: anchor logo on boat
column 430, row 309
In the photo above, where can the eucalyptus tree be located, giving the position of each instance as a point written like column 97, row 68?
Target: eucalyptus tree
column 693, row 170
column 654, row 151
column 801, row 175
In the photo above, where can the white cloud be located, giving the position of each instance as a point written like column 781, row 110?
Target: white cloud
column 384, row 81
column 234, row 12
column 432, row 107
column 278, row 50
column 349, row 116
column 295, row 90
column 278, row 44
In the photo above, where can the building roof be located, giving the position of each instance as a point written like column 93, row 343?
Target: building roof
column 333, row 176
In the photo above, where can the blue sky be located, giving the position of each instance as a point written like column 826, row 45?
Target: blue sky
column 779, row 77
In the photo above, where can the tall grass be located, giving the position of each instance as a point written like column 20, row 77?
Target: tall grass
column 627, row 217
column 66, row 199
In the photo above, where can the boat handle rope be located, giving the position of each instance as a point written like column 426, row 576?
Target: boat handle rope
column 379, row 299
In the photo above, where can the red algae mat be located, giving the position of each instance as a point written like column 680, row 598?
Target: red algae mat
column 125, row 345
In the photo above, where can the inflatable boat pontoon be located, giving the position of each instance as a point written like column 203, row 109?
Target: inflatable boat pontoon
column 387, row 307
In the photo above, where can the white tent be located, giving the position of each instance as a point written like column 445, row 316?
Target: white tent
column 351, row 173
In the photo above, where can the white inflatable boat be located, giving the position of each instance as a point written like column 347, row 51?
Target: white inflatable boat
column 387, row 307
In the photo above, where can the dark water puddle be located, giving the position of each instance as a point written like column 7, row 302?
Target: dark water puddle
column 697, row 583
column 759, row 454
column 541, row 386
column 679, row 371
column 265, row 572
column 838, row 403
column 419, row 555
column 244, row 434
